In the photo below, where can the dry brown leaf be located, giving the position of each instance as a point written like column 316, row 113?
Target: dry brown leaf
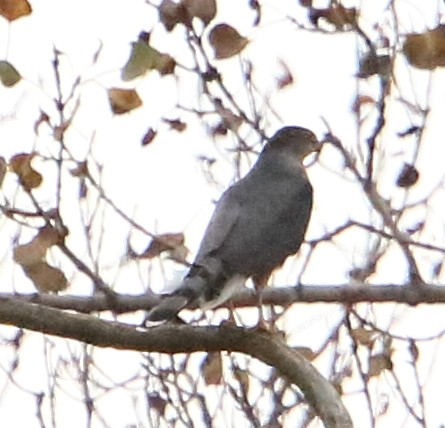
column 165, row 64
column 338, row 15
column 306, row 352
column 361, row 101
column 205, row 10
column 226, row 41
column 148, row 137
column 211, row 368
column 46, row 278
column 43, row 118
column 50, row 236
column 243, row 378
column 3, row 169
column 123, row 100
column 60, row 130
column 81, row 170
column 171, row 242
column 219, row 129
column 364, row 336
column 28, row 254
column 29, row 178
column 372, row 64
column 35, row 250
column 155, row 401
column 408, row 176
column 229, row 119
column 426, row 50
column 171, row 14
column 378, row 363
column 176, row 124
column 31, row 257
column 14, row 9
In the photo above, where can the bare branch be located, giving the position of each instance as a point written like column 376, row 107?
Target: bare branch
column 272, row 350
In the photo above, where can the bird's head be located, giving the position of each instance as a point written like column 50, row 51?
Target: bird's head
column 294, row 141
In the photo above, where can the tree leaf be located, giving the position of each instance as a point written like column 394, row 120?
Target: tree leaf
column 9, row 76
column 172, row 243
column 148, row 137
column 165, row 64
column 3, row 169
column 14, row 9
column 426, row 50
column 339, row 16
column 408, row 176
column 211, row 368
column 176, row 124
column 364, row 336
column 31, row 257
column 143, row 58
column 205, row 10
column 29, row 178
column 226, row 41
column 155, row 401
column 229, row 119
column 35, row 250
column 378, row 363
column 46, row 278
column 306, row 352
column 123, row 100
column 172, row 14
column 372, row 64
column 243, row 378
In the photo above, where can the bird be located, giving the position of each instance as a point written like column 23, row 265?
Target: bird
column 258, row 222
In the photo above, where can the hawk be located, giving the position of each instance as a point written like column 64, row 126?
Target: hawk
column 258, row 222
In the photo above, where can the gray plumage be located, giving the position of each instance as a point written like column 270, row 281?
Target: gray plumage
column 257, row 224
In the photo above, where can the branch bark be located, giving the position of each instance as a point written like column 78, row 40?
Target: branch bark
column 280, row 296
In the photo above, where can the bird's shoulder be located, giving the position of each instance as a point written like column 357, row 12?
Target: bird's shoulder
column 263, row 184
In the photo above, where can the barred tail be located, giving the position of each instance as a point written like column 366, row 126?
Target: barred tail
column 168, row 308
column 190, row 291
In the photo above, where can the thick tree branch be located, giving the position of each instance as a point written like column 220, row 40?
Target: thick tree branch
column 281, row 296
column 319, row 392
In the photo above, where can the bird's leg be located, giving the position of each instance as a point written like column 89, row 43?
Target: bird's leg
column 231, row 309
column 260, row 282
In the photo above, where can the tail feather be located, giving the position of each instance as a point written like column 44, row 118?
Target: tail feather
column 191, row 290
column 168, row 308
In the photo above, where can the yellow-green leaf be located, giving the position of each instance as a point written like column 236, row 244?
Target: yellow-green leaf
column 9, row 76
column 143, row 58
